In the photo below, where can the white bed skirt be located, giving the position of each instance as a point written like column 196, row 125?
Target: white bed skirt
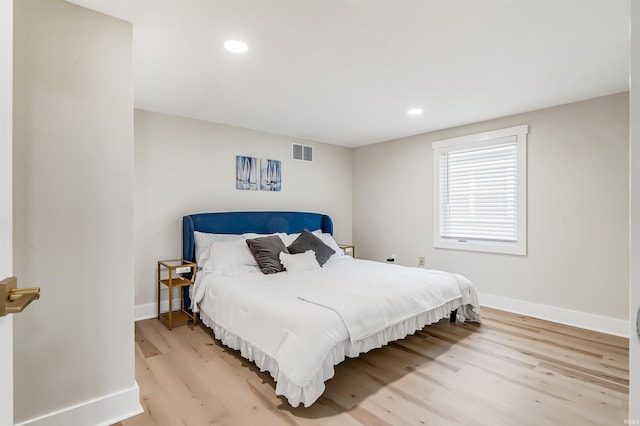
column 308, row 393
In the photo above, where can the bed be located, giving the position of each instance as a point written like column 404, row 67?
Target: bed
column 322, row 306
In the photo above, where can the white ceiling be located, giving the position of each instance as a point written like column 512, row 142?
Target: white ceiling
column 346, row 71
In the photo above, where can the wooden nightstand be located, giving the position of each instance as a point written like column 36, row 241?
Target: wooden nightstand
column 348, row 249
column 170, row 274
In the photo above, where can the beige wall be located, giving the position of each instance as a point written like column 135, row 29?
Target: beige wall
column 73, row 213
column 577, row 208
column 185, row 166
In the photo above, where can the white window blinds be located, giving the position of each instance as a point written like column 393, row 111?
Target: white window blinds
column 479, row 188
column 480, row 191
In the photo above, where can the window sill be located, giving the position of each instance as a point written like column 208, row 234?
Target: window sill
column 498, row 248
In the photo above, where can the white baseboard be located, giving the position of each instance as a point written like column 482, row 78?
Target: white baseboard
column 150, row 310
column 102, row 411
column 603, row 324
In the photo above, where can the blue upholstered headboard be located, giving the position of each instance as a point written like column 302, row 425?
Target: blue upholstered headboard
column 241, row 222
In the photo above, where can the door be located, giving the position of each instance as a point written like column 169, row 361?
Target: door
column 6, row 223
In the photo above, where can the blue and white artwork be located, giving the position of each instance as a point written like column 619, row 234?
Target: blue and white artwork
column 270, row 177
column 246, row 172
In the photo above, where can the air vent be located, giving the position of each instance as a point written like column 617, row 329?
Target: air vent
column 301, row 152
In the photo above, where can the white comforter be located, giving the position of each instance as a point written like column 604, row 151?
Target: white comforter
column 351, row 306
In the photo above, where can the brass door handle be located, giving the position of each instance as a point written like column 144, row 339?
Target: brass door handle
column 13, row 299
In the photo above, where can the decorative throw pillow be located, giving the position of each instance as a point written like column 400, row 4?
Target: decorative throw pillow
column 300, row 262
column 309, row 241
column 266, row 251
column 330, row 241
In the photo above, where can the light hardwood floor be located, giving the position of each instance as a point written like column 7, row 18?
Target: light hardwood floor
column 510, row 370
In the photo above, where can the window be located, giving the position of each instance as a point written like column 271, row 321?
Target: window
column 481, row 192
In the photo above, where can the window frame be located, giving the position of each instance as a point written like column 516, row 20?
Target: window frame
column 476, row 140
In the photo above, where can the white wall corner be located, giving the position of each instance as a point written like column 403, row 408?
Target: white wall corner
column 103, row 411
column 602, row 324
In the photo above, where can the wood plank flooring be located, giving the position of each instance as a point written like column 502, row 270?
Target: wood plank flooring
column 510, row 370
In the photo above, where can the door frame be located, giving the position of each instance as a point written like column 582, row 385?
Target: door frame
column 634, row 203
column 6, row 204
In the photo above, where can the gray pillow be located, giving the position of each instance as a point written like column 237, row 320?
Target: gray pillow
column 266, row 251
column 309, row 241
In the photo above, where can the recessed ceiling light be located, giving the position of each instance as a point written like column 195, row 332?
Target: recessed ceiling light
column 235, row 46
column 415, row 111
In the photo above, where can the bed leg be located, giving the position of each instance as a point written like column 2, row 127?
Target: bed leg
column 452, row 316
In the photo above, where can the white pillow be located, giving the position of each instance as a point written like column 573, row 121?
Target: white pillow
column 328, row 240
column 252, row 235
column 203, row 241
column 230, row 257
column 300, row 262
column 288, row 239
